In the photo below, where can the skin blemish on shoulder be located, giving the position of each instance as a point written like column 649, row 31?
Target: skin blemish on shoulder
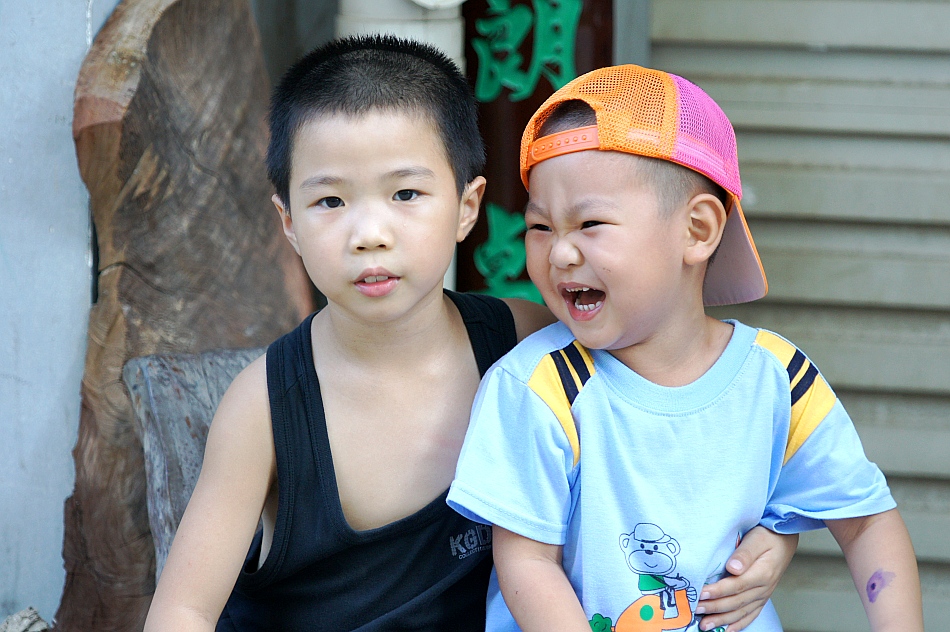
column 880, row 580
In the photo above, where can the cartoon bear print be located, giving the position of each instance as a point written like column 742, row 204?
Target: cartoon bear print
column 651, row 554
column 665, row 595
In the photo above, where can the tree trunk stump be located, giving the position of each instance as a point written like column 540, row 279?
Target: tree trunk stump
column 170, row 133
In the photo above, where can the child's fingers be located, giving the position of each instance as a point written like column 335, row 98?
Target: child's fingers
column 763, row 571
column 744, row 557
column 743, row 588
column 761, row 543
column 755, row 597
column 713, row 621
column 756, row 566
column 753, row 545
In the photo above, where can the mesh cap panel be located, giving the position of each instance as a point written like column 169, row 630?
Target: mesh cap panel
column 650, row 113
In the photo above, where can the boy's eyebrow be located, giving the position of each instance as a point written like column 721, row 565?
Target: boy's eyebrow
column 576, row 209
column 531, row 207
column 314, row 182
column 598, row 203
column 410, row 172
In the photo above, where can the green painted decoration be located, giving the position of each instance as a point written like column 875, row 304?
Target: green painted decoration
column 501, row 258
column 554, row 23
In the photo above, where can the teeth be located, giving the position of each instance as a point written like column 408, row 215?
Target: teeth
column 374, row 279
column 588, row 308
column 578, row 289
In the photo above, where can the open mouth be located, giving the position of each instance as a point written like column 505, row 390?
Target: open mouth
column 584, row 299
column 374, row 279
column 376, row 285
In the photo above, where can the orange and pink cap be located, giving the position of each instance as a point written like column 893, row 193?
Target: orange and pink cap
column 659, row 115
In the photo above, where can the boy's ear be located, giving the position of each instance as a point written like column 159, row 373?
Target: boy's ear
column 468, row 206
column 707, row 218
column 286, row 222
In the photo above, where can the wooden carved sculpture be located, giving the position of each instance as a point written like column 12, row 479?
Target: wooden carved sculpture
column 170, row 135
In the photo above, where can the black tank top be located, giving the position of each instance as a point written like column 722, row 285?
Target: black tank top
column 428, row 571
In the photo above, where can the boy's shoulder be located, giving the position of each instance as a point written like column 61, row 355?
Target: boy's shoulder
column 783, row 353
column 523, row 360
column 810, row 397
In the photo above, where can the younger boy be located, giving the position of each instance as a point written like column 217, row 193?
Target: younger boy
column 622, row 452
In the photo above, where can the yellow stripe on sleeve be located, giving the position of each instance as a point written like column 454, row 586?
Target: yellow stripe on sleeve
column 814, row 404
column 780, row 348
column 546, row 382
column 807, row 413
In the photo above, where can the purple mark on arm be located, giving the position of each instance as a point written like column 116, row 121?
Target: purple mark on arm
column 880, row 580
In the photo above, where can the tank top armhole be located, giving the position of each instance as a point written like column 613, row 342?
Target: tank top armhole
column 279, row 379
column 490, row 325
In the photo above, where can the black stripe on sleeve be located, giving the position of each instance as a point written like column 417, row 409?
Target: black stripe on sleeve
column 567, row 380
column 580, row 367
column 795, row 365
column 805, row 383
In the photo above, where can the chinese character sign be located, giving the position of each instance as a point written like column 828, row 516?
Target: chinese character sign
column 553, row 24
column 501, row 257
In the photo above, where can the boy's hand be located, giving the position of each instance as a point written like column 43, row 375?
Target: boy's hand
column 756, row 566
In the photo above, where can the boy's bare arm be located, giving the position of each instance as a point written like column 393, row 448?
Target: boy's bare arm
column 222, row 515
column 882, row 563
column 533, row 583
column 529, row 317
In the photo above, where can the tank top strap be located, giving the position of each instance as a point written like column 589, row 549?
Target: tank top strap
column 293, row 399
column 490, row 325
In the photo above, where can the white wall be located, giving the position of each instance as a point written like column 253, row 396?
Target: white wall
column 45, row 280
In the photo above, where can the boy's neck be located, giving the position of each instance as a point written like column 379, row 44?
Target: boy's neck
column 428, row 327
column 679, row 353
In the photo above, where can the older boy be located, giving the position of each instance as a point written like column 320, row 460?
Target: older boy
column 621, row 452
column 343, row 439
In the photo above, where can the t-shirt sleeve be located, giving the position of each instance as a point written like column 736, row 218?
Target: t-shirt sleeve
column 516, row 468
column 827, row 478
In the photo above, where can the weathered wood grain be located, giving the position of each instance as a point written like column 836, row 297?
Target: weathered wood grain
column 170, row 137
column 174, row 397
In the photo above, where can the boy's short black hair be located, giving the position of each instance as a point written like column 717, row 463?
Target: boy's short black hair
column 674, row 184
column 356, row 75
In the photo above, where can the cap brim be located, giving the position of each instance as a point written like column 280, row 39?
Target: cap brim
column 735, row 275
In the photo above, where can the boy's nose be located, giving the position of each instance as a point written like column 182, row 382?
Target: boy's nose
column 371, row 231
column 564, row 254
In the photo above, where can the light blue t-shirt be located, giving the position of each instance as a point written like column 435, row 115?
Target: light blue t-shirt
column 648, row 488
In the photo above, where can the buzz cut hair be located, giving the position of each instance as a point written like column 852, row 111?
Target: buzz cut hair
column 356, row 75
column 673, row 184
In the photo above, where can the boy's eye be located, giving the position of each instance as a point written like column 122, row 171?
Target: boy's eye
column 330, row 202
column 406, row 195
column 590, row 224
column 540, row 227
